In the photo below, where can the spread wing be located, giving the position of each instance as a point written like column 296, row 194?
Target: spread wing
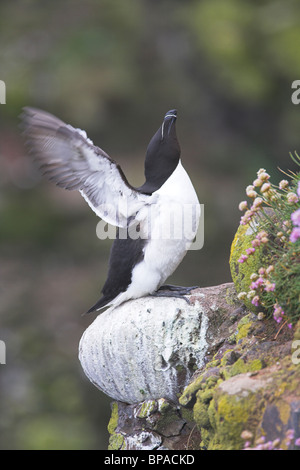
column 69, row 158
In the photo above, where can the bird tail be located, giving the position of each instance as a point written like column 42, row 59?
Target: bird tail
column 101, row 303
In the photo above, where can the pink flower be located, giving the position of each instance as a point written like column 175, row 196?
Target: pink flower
column 250, row 251
column 292, row 198
column 257, row 283
column 255, row 301
column 295, row 234
column 269, row 286
column 283, row 184
column 295, row 217
column 278, row 313
column 243, row 258
column 290, row 434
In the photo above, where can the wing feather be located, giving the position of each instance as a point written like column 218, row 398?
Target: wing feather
column 70, row 159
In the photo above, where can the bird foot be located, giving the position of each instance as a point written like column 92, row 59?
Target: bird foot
column 179, row 289
column 170, row 294
column 174, row 291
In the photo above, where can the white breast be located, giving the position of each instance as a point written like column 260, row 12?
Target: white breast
column 174, row 223
column 170, row 227
column 179, row 187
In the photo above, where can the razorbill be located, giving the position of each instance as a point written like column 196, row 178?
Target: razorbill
column 146, row 251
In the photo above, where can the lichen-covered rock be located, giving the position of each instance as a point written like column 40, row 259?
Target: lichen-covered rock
column 251, row 385
column 145, row 349
column 266, row 403
column 246, row 383
column 149, row 348
column 151, row 425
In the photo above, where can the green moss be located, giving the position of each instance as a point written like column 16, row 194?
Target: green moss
column 232, row 339
column 221, row 417
column 244, row 327
column 213, row 363
column 241, row 367
column 228, row 416
column 116, row 440
column 241, row 272
column 284, row 411
column 147, row 408
column 232, row 409
column 226, row 357
column 200, row 408
column 190, row 391
column 244, row 321
column 113, row 422
column 204, row 395
column 243, row 332
column 201, row 416
column 187, row 415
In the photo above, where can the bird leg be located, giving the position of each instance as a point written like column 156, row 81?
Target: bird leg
column 179, row 289
column 174, row 291
column 161, row 293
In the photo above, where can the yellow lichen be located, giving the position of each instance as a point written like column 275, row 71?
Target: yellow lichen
column 241, row 272
column 113, row 422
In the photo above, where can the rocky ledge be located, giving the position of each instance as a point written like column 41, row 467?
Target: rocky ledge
column 204, row 375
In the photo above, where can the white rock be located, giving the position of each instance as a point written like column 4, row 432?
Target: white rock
column 145, row 348
column 243, row 384
column 143, row 441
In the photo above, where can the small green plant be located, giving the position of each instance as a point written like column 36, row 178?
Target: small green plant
column 274, row 216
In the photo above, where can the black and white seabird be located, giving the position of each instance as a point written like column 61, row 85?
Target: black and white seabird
column 138, row 265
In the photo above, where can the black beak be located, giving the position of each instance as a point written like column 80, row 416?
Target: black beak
column 169, row 120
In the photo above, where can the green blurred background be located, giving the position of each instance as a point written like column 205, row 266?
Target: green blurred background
column 113, row 68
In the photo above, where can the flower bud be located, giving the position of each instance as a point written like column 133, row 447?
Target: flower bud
column 243, row 206
column 292, row 198
column 264, row 176
column 265, row 187
column 257, row 183
column 250, row 192
column 283, row 184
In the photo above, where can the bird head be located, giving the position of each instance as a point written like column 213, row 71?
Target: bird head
column 162, row 155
